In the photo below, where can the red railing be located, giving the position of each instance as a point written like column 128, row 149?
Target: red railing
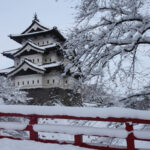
column 33, row 127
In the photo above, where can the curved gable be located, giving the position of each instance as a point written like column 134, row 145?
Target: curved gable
column 35, row 27
column 27, row 48
column 25, row 66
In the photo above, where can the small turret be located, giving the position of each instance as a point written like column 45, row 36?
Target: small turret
column 35, row 18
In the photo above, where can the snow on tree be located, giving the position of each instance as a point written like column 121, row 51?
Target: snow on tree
column 107, row 31
column 94, row 95
column 107, row 41
column 9, row 94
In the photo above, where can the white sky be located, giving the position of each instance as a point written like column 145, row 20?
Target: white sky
column 17, row 15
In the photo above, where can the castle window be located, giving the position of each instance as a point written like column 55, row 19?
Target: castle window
column 53, row 81
column 50, row 59
column 66, row 82
column 47, row 42
column 47, row 81
column 38, row 43
column 43, row 42
column 45, row 60
column 22, row 82
column 27, row 82
column 37, row 81
column 38, row 60
column 32, row 81
column 18, row 83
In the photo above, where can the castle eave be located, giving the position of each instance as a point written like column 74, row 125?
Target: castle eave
column 19, row 37
column 31, row 26
column 5, row 71
column 25, row 65
column 32, row 46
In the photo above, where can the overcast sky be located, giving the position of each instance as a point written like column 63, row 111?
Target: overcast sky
column 17, row 15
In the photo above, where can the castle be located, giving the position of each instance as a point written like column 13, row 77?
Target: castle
column 39, row 63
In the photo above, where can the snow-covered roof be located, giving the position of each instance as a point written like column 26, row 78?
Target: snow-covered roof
column 29, row 65
column 18, row 37
column 10, row 53
column 18, row 51
column 34, row 25
column 34, row 65
column 50, row 45
column 26, row 34
column 40, row 69
column 31, row 46
column 51, row 65
column 7, row 70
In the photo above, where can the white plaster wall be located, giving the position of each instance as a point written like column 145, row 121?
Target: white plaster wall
column 37, row 78
column 16, row 62
column 69, row 83
column 39, row 59
column 54, row 79
column 44, row 41
column 40, row 40
column 50, row 80
column 36, row 58
column 51, row 57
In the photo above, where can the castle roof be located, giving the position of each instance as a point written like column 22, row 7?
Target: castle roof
column 3, row 72
column 36, row 29
column 27, row 65
column 28, row 47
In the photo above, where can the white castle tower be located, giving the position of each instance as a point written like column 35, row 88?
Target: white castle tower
column 39, row 63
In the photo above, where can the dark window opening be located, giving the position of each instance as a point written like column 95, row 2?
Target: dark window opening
column 38, row 60
column 66, row 82
column 37, row 81
column 22, row 82
column 27, row 82
column 53, row 81
column 47, row 81
column 18, row 83
column 32, row 81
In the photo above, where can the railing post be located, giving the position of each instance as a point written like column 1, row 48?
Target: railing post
column 78, row 140
column 33, row 134
column 130, row 138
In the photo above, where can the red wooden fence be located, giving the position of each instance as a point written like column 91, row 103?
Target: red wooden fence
column 78, row 138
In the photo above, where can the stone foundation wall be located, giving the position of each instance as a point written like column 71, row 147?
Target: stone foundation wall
column 54, row 96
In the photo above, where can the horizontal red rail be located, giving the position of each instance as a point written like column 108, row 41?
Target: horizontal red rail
column 78, row 138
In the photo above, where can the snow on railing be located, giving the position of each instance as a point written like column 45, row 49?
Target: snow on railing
column 119, row 115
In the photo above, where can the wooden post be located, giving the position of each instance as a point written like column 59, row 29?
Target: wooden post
column 33, row 134
column 130, row 138
column 78, row 140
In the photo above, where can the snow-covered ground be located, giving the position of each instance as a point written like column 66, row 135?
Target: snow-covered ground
column 48, row 128
column 6, row 144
